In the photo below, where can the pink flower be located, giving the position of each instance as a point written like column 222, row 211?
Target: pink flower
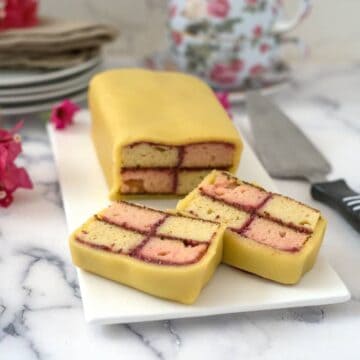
column 237, row 65
column 251, row 2
column 257, row 31
column 256, row 70
column 18, row 14
column 176, row 37
column 264, row 48
column 6, row 198
column 223, row 98
column 223, row 74
column 11, row 176
column 218, row 8
column 172, row 10
column 63, row 113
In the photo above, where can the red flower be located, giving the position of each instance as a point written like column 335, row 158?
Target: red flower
column 6, row 198
column 237, row 65
column 256, row 70
column 218, row 8
column 257, row 31
column 63, row 113
column 251, row 2
column 11, row 176
column 18, row 14
column 176, row 37
column 223, row 74
column 264, row 48
column 172, row 10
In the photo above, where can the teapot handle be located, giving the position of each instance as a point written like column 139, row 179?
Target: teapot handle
column 283, row 26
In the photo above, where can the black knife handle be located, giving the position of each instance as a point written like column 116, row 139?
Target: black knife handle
column 337, row 194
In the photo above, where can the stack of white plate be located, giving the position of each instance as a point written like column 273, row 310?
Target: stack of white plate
column 24, row 92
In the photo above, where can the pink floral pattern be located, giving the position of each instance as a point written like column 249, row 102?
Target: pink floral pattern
column 226, row 74
column 12, row 177
column 225, row 42
column 257, row 70
column 172, row 10
column 237, row 65
column 257, row 31
column 176, row 37
column 218, row 8
column 63, row 113
column 264, row 48
column 223, row 74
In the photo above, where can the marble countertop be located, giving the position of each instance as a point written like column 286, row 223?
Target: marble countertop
column 40, row 303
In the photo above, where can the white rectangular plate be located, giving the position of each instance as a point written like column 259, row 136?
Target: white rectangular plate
column 85, row 192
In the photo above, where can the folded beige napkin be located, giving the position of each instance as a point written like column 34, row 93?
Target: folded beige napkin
column 54, row 43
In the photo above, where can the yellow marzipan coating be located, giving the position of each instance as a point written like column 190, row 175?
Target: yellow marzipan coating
column 246, row 254
column 180, row 283
column 135, row 105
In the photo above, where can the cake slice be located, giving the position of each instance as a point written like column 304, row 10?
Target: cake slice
column 267, row 234
column 166, row 255
column 158, row 132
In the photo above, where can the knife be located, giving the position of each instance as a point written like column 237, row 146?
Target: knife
column 287, row 153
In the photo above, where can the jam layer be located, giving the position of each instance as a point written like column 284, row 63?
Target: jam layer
column 148, row 234
column 200, row 155
column 267, row 234
column 227, row 189
column 164, row 169
column 163, row 254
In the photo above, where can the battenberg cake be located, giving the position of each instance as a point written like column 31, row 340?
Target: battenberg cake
column 267, row 234
column 167, row 255
column 159, row 132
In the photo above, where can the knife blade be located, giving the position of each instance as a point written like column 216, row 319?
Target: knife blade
column 286, row 152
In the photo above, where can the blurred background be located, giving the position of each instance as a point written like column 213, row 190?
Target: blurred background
column 49, row 50
column 331, row 24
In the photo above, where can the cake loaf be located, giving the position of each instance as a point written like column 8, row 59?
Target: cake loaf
column 163, row 254
column 267, row 234
column 159, row 132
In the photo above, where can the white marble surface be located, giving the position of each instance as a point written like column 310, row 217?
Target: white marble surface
column 40, row 304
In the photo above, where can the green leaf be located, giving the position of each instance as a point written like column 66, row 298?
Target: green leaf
column 255, row 42
column 262, row 5
column 199, row 27
column 228, row 25
column 250, row 9
column 198, row 55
